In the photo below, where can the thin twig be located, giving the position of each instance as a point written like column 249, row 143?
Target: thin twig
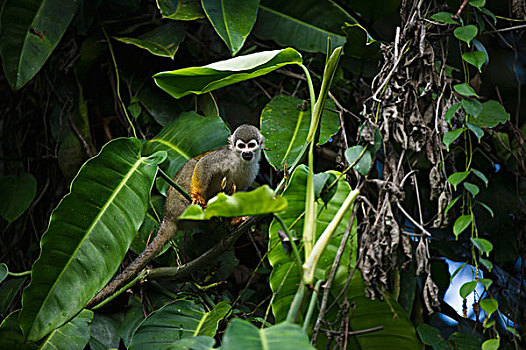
column 457, row 15
column 363, row 331
column 413, row 220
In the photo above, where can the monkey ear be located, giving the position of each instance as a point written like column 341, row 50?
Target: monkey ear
column 231, row 141
column 262, row 141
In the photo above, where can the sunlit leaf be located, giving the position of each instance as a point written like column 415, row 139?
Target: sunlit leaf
column 491, row 344
column 467, row 288
column 199, row 80
column 486, row 282
column 263, row 200
column 461, row 223
column 88, row 235
column 483, row 245
column 242, row 334
column 466, row 33
column 232, row 20
column 477, row 3
column 489, row 305
column 486, row 263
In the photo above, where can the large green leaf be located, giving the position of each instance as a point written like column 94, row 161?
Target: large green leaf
column 187, row 137
column 11, row 336
column 73, row 335
column 491, row 115
column 285, row 276
column 263, row 200
column 181, row 10
column 233, row 20
column 8, row 290
column 177, row 320
column 17, row 193
column 30, row 30
column 242, row 334
column 88, row 235
column 305, row 24
column 199, row 80
column 285, row 124
column 398, row 331
column 161, row 41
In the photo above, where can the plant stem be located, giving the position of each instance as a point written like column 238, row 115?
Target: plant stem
column 295, row 306
column 19, row 274
column 120, row 291
column 174, row 184
column 295, row 250
column 312, row 305
column 118, row 82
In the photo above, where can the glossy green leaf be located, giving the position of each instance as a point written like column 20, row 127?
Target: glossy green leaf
column 466, row 33
column 73, row 335
column 199, row 80
column 477, row 130
column 480, row 47
column 164, row 40
column 398, row 330
column 299, row 24
column 232, row 20
column 485, row 206
column 177, row 320
column 263, row 200
column 456, row 272
column 184, row 138
column 456, row 178
column 444, row 17
column 17, row 193
column 429, row 334
column 489, row 305
column 201, row 342
column 451, row 136
column 467, row 288
column 472, row 188
column 465, row 90
column 462, row 341
column 450, row 205
column 242, row 334
column 471, row 106
column 461, row 223
column 363, row 165
column 448, row 116
column 486, row 282
column 475, row 58
column 477, row 3
column 3, row 272
column 105, row 331
column 163, row 107
column 491, row 344
column 481, row 176
column 285, row 276
column 285, row 124
column 486, row 263
column 181, row 10
column 491, row 115
column 30, row 30
column 489, row 14
column 483, row 245
column 88, row 235
column 11, row 336
column 9, row 289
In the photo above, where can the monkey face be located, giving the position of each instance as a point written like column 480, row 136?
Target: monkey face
column 247, row 149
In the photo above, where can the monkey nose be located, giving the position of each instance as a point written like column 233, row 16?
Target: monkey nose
column 247, row 155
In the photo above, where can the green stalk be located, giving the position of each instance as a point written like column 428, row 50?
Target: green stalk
column 174, row 184
column 312, row 260
column 312, row 305
column 296, row 303
column 120, row 291
column 295, row 250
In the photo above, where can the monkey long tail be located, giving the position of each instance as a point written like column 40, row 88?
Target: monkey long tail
column 166, row 231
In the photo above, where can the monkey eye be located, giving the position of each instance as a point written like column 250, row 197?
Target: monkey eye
column 252, row 144
column 240, row 144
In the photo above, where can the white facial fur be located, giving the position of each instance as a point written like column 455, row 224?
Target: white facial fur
column 241, row 146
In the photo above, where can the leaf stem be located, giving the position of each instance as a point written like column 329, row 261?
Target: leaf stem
column 118, row 82
column 174, row 184
column 295, row 250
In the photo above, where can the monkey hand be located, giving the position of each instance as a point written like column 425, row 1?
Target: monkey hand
column 198, row 199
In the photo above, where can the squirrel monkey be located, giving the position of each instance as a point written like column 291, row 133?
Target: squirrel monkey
column 229, row 167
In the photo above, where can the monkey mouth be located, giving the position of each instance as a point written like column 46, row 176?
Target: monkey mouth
column 247, row 156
